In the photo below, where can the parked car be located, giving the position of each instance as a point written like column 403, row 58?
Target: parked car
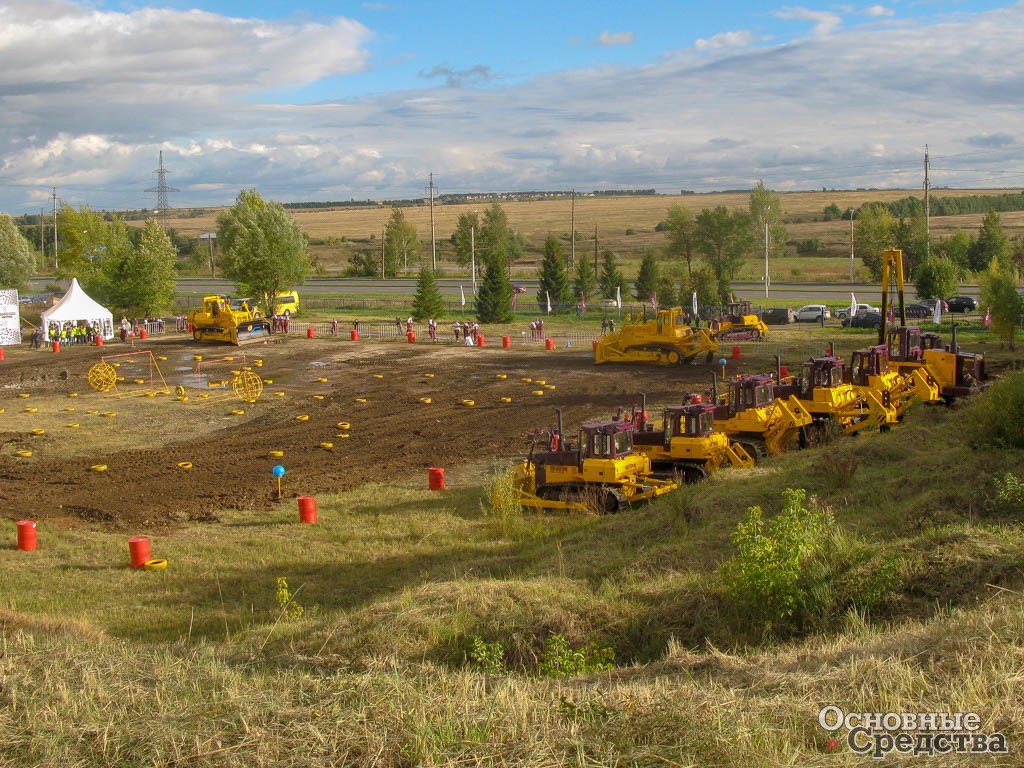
column 962, row 304
column 870, row 319
column 920, row 309
column 777, row 315
column 812, row 313
column 845, row 311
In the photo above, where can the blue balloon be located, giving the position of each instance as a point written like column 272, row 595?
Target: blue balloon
column 722, row 361
column 278, row 471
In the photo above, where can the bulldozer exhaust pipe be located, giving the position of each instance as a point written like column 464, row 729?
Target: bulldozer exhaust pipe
column 953, row 346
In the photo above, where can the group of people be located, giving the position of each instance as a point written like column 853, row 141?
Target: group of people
column 470, row 332
column 537, row 329
column 70, row 333
column 607, row 325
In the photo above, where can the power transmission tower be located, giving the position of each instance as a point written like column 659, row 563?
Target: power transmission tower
column 161, row 190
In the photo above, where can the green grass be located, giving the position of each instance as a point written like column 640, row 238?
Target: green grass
column 199, row 665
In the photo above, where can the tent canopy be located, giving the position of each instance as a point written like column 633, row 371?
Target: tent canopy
column 77, row 306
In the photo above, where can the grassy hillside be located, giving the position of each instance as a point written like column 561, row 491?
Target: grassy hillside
column 625, row 225
column 419, row 628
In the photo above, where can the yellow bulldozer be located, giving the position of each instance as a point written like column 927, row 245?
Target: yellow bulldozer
column 870, row 372
column 667, row 339
column 600, row 472
column 217, row 321
column 953, row 372
column 687, row 445
column 752, row 415
column 739, row 323
column 835, row 403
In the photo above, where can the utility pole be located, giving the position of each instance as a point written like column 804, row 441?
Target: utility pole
column 433, row 244
column 766, row 277
column 382, row 245
column 595, row 252
column 851, row 246
column 572, row 231
column 55, row 264
column 927, row 208
column 472, row 254
column 42, row 246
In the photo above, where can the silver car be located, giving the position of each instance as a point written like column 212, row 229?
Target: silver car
column 812, row 313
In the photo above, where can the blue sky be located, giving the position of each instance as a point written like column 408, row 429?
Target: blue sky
column 334, row 101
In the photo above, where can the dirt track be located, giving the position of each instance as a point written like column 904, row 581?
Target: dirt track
column 394, row 436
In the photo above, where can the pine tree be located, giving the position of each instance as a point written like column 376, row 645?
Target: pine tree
column 554, row 281
column 428, row 302
column 647, row 280
column 494, row 297
column 584, row 285
column 611, row 277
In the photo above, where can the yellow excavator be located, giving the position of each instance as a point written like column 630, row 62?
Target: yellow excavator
column 667, row 339
column 217, row 321
column 600, row 472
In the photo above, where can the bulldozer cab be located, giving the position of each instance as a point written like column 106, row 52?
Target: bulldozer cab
column 214, row 305
column 735, row 311
column 906, row 344
column 824, row 372
column 606, row 441
column 694, row 420
column 750, row 391
column 868, row 362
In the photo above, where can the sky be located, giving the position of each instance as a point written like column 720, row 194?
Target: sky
column 328, row 101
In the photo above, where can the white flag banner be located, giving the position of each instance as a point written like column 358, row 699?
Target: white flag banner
column 618, row 297
column 462, row 293
column 694, row 302
column 549, row 301
column 937, row 317
column 853, row 305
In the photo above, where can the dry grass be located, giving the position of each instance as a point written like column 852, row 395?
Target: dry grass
column 338, row 233
column 195, row 665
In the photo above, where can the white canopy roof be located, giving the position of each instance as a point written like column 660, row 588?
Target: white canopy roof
column 76, row 305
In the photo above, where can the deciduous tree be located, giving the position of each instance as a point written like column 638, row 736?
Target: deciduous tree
column 400, row 244
column 992, row 245
column 873, row 234
column 724, row 238
column 17, row 263
column 262, row 248
column 682, row 237
column 999, row 297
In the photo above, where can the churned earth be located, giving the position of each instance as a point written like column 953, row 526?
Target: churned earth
column 172, row 443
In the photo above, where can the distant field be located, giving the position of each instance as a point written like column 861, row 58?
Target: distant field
column 338, row 233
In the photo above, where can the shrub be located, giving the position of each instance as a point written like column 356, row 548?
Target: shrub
column 485, row 657
column 559, row 659
column 766, row 577
column 997, row 417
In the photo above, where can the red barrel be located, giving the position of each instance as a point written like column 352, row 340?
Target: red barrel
column 506, row 342
column 480, row 340
column 56, row 346
column 593, row 345
column 1, row 353
column 26, row 535
column 354, row 334
column 99, row 341
column 435, row 478
column 783, row 371
column 143, row 334
column 736, row 353
column 138, row 549
column 549, row 344
column 309, row 333
column 307, row 509
column 411, row 335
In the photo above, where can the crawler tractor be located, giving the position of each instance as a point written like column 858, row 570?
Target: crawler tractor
column 833, row 402
column 871, row 373
column 665, row 340
column 954, row 373
column 218, row 322
column 752, row 415
column 739, row 323
column 687, row 445
column 601, row 471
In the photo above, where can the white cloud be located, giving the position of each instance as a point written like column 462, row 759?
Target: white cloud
column 855, row 109
column 825, row 22
column 616, row 38
column 877, row 11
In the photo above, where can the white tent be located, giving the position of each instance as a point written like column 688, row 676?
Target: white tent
column 77, row 306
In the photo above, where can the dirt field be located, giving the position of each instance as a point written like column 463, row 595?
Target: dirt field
column 394, row 437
